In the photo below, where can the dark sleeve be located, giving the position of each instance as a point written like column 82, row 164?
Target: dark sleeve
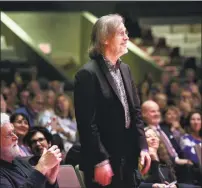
column 153, row 176
column 138, row 116
column 85, row 109
column 35, row 180
column 55, row 185
column 4, row 182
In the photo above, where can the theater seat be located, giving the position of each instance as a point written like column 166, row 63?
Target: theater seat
column 67, row 177
column 80, row 176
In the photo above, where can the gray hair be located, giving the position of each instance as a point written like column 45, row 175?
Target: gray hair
column 104, row 28
column 4, row 119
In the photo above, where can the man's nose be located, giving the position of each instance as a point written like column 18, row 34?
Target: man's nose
column 126, row 36
column 14, row 137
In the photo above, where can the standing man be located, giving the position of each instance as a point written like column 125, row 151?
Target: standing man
column 108, row 111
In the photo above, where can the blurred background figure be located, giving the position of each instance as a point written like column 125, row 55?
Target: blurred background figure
column 194, row 136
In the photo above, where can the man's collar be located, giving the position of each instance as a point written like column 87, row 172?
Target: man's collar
column 110, row 65
column 154, row 126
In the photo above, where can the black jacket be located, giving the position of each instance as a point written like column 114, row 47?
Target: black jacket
column 100, row 115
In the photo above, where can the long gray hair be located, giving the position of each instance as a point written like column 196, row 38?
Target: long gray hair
column 104, row 28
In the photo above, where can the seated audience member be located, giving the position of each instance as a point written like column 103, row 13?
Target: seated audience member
column 48, row 112
column 196, row 97
column 3, row 104
column 56, row 86
column 165, row 79
column 185, row 105
column 35, row 105
column 21, row 126
column 162, row 170
column 152, row 117
column 64, row 122
column 10, row 100
column 24, row 96
column 171, row 126
column 193, row 137
column 161, row 100
column 173, row 90
column 38, row 138
column 161, row 48
column 17, row 173
column 34, row 87
column 145, row 86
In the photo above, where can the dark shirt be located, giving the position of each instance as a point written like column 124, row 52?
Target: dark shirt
column 20, row 174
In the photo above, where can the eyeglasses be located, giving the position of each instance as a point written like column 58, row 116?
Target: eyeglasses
column 122, row 33
column 40, row 140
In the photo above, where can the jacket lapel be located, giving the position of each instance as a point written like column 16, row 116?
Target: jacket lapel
column 126, row 80
column 110, row 79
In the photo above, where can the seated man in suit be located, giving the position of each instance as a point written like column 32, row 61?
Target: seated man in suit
column 16, row 173
column 152, row 117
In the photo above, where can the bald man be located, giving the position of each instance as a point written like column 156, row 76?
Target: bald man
column 152, row 117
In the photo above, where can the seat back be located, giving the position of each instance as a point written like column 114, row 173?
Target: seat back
column 67, row 177
column 80, row 176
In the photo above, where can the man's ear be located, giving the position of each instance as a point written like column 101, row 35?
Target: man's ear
column 106, row 42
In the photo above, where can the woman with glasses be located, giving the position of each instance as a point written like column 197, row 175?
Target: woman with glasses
column 38, row 139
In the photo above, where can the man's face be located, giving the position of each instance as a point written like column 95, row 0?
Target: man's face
column 38, row 143
column 24, row 95
column 3, row 104
column 152, row 114
column 161, row 100
column 34, row 86
column 38, row 103
column 9, row 142
column 117, row 44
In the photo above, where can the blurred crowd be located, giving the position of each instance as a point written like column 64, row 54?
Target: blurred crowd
column 171, row 109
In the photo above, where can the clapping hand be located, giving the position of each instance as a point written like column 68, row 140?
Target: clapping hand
column 145, row 161
column 49, row 159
